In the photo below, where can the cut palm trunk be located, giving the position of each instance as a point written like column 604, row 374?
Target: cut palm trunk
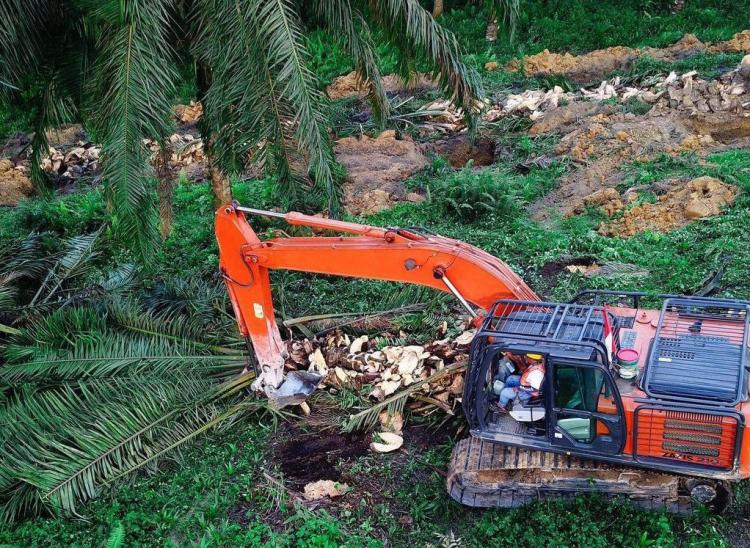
column 491, row 33
column 437, row 8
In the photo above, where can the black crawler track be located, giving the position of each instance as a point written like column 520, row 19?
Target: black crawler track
column 490, row 475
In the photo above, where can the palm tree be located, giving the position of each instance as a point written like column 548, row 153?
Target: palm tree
column 99, row 380
column 114, row 66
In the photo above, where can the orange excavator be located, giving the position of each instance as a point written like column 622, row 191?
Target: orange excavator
column 648, row 404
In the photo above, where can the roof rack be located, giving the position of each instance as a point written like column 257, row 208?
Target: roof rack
column 553, row 325
column 699, row 351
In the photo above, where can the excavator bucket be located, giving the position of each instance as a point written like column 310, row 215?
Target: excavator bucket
column 295, row 388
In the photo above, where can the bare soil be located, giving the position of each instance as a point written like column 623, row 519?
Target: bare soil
column 350, row 85
column 14, row 184
column 595, row 65
column 307, row 457
column 600, row 140
column 683, row 203
column 459, row 149
column 376, row 168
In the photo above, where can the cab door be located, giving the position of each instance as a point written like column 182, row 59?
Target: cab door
column 586, row 410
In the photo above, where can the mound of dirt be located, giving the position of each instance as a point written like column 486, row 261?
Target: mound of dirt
column 739, row 43
column 376, row 169
column 700, row 198
column 14, row 184
column 351, row 84
column 597, row 64
column 580, row 68
column 458, row 149
column 686, row 46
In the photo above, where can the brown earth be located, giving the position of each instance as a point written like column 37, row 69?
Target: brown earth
column 14, row 184
column 350, row 85
column 562, row 119
column 740, row 42
column 459, row 149
column 681, row 204
column 595, row 65
column 600, row 145
column 689, row 115
column 376, row 168
column 580, row 68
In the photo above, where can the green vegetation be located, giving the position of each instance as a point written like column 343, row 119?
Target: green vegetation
column 98, row 302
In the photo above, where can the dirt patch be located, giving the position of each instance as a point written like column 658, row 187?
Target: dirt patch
column 698, row 199
column 377, row 168
column 563, row 119
column 459, row 149
column 305, row 458
column 351, row 85
column 600, row 145
column 739, row 43
column 552, row 270
column 597, row 64
column 580, row 68
column 725, row 128
column 14, row 183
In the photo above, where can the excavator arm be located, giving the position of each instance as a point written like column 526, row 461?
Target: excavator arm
column 473, row 276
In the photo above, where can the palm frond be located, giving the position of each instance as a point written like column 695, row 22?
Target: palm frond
column 76, row 261
column 278, row 27
column 395, row 403
column 135, row 82
column 114, row 355
column 413, row 29
column 508, row 11
column 129, row 315
column 341, row 20
column 21, row 42
column 66, row 443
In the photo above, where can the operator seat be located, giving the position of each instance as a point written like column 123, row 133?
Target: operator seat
column 531, row 411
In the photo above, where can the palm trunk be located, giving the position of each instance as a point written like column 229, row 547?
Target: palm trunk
column 220, row 186
column 165, row 191
column 437, row 8
column 491, row 34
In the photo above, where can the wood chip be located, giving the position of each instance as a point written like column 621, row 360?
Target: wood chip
column 387, row 442
column 324, row 489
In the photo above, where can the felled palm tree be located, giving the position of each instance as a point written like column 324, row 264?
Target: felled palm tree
column 96, row 382
column 112, row 64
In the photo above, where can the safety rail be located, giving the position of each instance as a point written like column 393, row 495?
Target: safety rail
column 555, row 324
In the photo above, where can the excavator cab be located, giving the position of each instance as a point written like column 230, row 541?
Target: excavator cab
column 577, row 407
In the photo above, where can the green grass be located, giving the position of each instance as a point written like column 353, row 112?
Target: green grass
column 215, row 494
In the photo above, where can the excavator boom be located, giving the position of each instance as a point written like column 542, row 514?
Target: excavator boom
column 474, row 276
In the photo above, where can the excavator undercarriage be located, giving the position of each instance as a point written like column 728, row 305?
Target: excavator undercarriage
column 491, row 475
